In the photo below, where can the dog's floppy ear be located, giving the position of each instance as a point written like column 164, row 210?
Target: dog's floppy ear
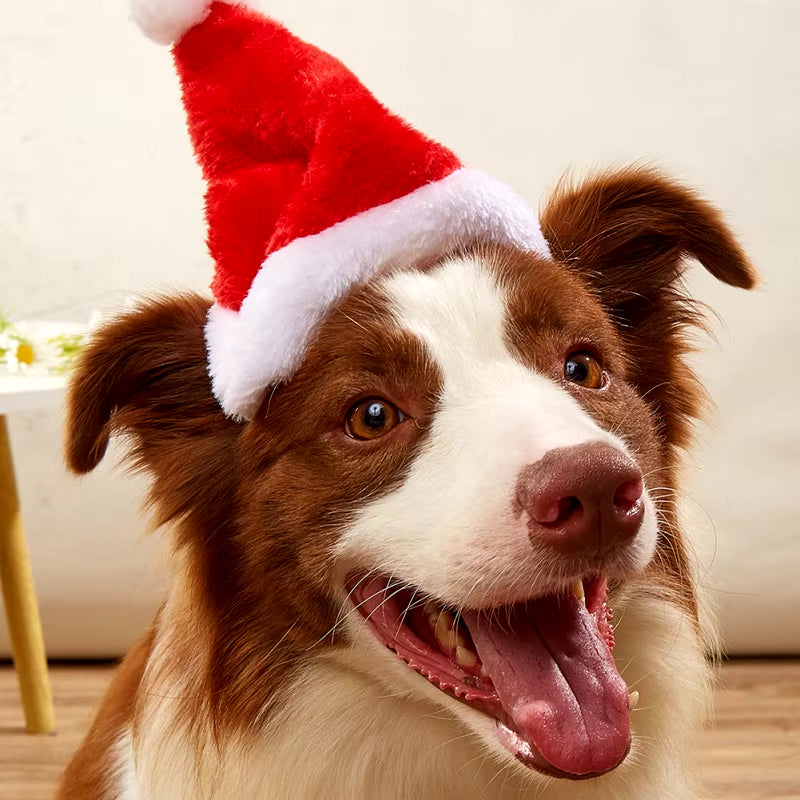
column 633, row 229
column 144, row 374
column 630, row 234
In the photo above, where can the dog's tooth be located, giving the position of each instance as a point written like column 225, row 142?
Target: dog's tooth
column 577, row 590
column 465, row 657
column 633, row 700
column 443, row 627
column 446, row 635
column 444, row 621
column 432, row 613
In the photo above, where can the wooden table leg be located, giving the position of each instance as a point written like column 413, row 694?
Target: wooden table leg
column 22, row 611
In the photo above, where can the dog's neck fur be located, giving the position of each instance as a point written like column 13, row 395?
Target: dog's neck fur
column 344, row 734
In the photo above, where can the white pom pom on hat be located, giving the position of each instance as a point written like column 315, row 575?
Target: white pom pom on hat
column 165, row 21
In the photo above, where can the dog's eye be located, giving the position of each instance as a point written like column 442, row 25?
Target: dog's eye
column 373, row 417
column 582, row 368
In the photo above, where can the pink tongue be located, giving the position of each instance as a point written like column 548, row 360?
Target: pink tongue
column 558, row 684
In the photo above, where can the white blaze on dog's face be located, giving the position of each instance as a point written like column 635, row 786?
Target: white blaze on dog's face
column 485, row 567
column 454, row 525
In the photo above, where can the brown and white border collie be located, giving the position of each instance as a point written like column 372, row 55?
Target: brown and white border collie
column 397, row 580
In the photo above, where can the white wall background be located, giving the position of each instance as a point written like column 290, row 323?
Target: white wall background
column 99, row 194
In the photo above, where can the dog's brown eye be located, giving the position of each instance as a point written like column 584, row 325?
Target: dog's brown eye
column 373, row 417
column 582, row 368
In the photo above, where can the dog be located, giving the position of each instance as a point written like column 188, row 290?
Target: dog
column 444, row 560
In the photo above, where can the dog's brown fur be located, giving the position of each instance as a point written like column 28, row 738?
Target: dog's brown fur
column 253, row 557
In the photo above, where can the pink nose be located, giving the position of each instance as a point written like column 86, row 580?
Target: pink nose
column 582, row 500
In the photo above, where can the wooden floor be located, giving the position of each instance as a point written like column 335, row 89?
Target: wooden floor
column 752, row 752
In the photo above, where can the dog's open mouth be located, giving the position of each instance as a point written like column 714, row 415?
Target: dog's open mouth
column 543, row 669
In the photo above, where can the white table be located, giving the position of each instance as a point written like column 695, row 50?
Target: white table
column 22, row 393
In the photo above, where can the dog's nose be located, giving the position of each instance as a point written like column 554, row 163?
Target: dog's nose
column 582, row 500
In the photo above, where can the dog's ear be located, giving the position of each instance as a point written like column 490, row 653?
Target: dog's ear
column 144, row 374
column 632, row 230
column 630, row 234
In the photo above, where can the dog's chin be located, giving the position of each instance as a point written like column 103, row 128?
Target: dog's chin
column 535, row 679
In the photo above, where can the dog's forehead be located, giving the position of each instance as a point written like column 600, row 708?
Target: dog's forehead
column 477, row 309
column 458, row 309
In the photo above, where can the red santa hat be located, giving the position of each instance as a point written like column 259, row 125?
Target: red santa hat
column 313, row 187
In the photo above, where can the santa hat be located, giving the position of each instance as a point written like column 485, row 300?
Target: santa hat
column 313, row 188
